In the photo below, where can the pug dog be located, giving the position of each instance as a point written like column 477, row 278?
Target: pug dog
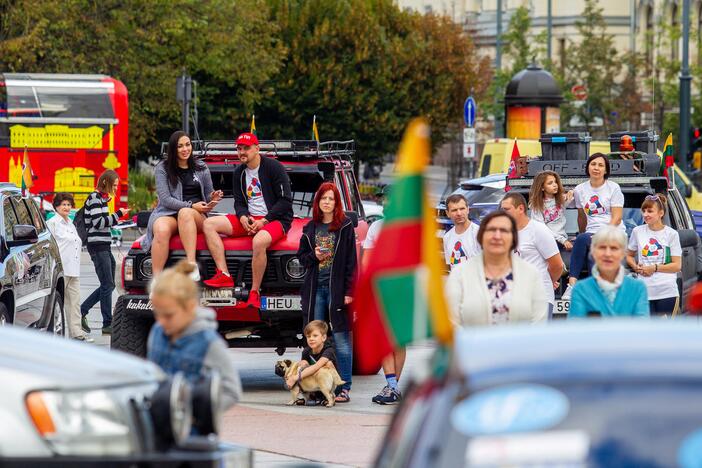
column 325, row 380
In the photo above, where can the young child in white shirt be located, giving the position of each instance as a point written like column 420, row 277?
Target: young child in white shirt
column 548, row 202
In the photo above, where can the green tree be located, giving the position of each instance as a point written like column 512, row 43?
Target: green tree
column 229, row 46
column 365, row 68
column 519, row 49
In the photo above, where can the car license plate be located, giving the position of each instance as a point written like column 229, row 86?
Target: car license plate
column 281, row 303
column 561, row 307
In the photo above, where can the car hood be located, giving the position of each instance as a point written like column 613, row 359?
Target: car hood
column 39, row 360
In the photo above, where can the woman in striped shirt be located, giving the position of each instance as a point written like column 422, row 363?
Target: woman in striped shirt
column 98, row 222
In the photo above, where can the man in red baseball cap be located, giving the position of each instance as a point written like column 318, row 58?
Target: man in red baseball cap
column 263, row 206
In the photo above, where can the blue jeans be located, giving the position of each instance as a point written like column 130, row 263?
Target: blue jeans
column 105, row 269
column 343, row 344
column 321, row 304
column 580, row 254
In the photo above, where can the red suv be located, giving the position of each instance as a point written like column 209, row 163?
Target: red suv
column 278, row 324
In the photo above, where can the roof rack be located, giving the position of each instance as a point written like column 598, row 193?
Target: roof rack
column 632, row 167
column 288, row 150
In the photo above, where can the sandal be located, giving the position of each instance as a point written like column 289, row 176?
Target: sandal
column 343, row 397
column 300, row 402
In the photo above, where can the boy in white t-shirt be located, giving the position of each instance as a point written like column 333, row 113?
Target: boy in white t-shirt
column 461, row 241
column 654, row 252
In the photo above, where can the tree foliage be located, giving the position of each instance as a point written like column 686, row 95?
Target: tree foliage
column 519, row 49
column 229, row 46
column 362, row 66
column 612, row 80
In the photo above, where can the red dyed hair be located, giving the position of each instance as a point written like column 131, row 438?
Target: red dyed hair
column 339, row 215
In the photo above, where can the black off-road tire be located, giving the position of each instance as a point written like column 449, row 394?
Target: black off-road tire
column 130, row 331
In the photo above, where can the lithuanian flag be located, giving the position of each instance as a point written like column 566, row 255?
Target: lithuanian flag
column 315, row 133
column 400, row 295
column 668, row 158
column 253, row 124
column 27, row 174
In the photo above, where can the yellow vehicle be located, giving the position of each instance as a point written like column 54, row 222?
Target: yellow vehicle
column 498, row 152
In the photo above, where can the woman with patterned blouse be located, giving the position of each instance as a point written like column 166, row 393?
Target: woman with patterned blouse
column 496, row 287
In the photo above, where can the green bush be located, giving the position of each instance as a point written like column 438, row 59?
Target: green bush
column 142, row 191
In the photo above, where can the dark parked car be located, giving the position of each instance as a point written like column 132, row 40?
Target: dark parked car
column 31, row 274
column 483, row 194
column 580, row 393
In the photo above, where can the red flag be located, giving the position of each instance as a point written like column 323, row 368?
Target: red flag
column 512, row 172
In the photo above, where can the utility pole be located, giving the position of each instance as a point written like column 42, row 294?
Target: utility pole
column 184, row 93
column 549, row 27
column 499, row 130
column 684, row 134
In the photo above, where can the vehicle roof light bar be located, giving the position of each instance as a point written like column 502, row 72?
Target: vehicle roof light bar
column 281, row 149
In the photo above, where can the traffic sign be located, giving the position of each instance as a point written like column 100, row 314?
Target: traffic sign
column 468, row 135
column 579, row 92
column 469, row 150
column 469, row 109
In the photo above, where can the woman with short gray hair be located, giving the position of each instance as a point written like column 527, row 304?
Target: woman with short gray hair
column 609, row 292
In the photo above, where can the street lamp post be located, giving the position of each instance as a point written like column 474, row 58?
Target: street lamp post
column 499, row 125
column 685, row 78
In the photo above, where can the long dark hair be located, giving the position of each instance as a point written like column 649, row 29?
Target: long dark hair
column 339, row 215
column 172, row 157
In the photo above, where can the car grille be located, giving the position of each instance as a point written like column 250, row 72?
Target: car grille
column 240, row 269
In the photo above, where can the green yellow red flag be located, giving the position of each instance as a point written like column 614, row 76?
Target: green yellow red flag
column 668, row 159
column 315, row 133
column 253, row 124
column 27, row 174
column 399, row 297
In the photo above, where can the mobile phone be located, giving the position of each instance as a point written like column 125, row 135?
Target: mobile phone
column 324, row 249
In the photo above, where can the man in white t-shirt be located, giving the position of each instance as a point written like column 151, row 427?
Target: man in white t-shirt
column 536, row 245
column 461, row 241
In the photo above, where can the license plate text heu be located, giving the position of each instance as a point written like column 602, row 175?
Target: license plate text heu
column 281, row 303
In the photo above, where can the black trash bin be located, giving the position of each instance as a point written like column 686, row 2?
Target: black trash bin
column 565, row 146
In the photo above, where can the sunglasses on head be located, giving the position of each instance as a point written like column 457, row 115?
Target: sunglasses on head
column 653, row 198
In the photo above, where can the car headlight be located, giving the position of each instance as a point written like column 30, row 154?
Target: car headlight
column 294, row 268
column 81, row 422
column 146, row 268
column 172, row 410
column 128, row 269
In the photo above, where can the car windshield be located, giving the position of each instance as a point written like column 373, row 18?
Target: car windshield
column 303, row 184
column 605, row 424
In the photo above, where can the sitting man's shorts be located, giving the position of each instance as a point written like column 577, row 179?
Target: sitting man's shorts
column 274, row 228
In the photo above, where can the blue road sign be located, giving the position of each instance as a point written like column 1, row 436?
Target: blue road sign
column 469, row 109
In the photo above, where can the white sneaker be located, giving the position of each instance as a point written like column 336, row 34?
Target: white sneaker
column 195, row 274
column 567, row 293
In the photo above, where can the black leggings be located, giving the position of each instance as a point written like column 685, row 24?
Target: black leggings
column 666, row 306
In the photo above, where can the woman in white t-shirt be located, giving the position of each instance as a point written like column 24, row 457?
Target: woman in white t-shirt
column 654, row 253
column 600, row 202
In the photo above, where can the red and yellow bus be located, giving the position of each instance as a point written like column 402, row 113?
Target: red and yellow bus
column 73, row 127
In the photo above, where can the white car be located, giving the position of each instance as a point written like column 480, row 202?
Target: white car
column 64, row 403
column 373, row 210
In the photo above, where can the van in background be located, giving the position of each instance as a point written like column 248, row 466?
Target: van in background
column 497, row 153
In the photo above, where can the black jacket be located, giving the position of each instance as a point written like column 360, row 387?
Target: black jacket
column 343, row 273
column 275, row 185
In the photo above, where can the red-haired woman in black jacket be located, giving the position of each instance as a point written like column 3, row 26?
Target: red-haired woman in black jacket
column 328, row 252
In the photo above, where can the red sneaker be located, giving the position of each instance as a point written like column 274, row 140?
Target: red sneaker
column 254, row 300
column 220, row 280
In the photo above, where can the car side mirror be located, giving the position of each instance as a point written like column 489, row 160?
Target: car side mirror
column 327, row 169
column 688, row 190
column 23, row 234
column 688, row 238
column 353, row 216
